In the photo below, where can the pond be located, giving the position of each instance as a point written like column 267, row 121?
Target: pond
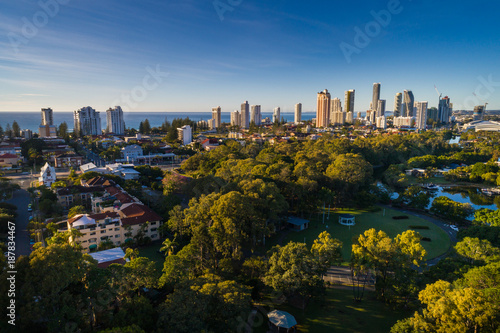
column 468, row 194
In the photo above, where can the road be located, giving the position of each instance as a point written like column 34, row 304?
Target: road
column 24, row 179
column 21, row 199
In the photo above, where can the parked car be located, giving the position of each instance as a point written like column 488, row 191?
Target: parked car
column 454, row 227
column 30, row 208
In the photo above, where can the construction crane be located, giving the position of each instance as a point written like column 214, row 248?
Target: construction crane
column 481, row 100
column 440, row 95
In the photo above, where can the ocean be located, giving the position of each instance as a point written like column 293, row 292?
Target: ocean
column 31, row 120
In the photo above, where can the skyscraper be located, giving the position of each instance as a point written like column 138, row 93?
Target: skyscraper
column 235, row 118
column 349, row 106
column 277, row 115
column 323, row 109
column 114, row 120
column 298, row 113
column 444, row 110
column 337, row 117
column 381, row 108
column 47, row 128
column 245, row 115
column 376, row 95
column 87, row 122
column 409, row 102
column 216, row 116
column 398, row 100
column 336, row 105
column 47, row 117
column 256, row 115
column 421, row 108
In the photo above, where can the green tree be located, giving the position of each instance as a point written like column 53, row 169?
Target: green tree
column 293, row 271
column 327, row 251
column 477, row 250
column 207, row 304
column 76, row 210
column 16, row 130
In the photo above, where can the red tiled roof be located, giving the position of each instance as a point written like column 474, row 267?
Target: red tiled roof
column 124, row 198
column 9, row 156
column 102, row 216
column 138, row 214
column 107, row 263
column 113, row 190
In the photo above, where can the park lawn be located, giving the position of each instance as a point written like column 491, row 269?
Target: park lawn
column 338, row 312
column 439, row 244
column 151, row 252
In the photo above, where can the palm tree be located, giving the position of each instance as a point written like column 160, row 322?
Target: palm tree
column 168, row 246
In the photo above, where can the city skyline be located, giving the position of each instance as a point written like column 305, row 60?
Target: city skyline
column 78, row 50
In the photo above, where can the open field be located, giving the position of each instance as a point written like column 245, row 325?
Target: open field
column 338, row 312
column 440, row 242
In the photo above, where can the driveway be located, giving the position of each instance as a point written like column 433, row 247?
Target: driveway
column 21, row 199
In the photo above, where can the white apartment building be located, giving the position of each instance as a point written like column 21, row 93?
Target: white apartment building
column 87, row 122
column 115, row 122
column 185, row 134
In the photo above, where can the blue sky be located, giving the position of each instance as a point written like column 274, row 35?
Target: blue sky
column 273, row 53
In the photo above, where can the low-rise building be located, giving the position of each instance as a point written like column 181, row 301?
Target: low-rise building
column 67, row 196
column 9, row 160
column 118, row 227
column 131, row 153
column 68, row 160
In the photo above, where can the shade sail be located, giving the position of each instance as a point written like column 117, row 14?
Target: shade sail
column 281, row 319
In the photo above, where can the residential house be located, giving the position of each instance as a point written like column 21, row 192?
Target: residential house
column 9, row 160
column 131, row 153
column 47, row 175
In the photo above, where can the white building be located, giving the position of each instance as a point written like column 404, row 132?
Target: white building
column 87, row 122
column 277, row 115
column 47, row 175
column 131, row 153
column 404, row 121
column 216, row 117
column 298, row 113
column 185, row 134
column 235, row 118
column 115, row 122
column 421, row 110
column 255, row 114
column 381, row 121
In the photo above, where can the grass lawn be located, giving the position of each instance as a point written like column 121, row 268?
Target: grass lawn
column 340, row 313
column 440, row 242
column 151, row 252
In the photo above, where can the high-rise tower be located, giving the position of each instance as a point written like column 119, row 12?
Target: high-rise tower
column 245, row 115
column 376, row 95
column 114, row 121
column 323, row 109
column 298, row 113
column 408, row 103
column 398, row 100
